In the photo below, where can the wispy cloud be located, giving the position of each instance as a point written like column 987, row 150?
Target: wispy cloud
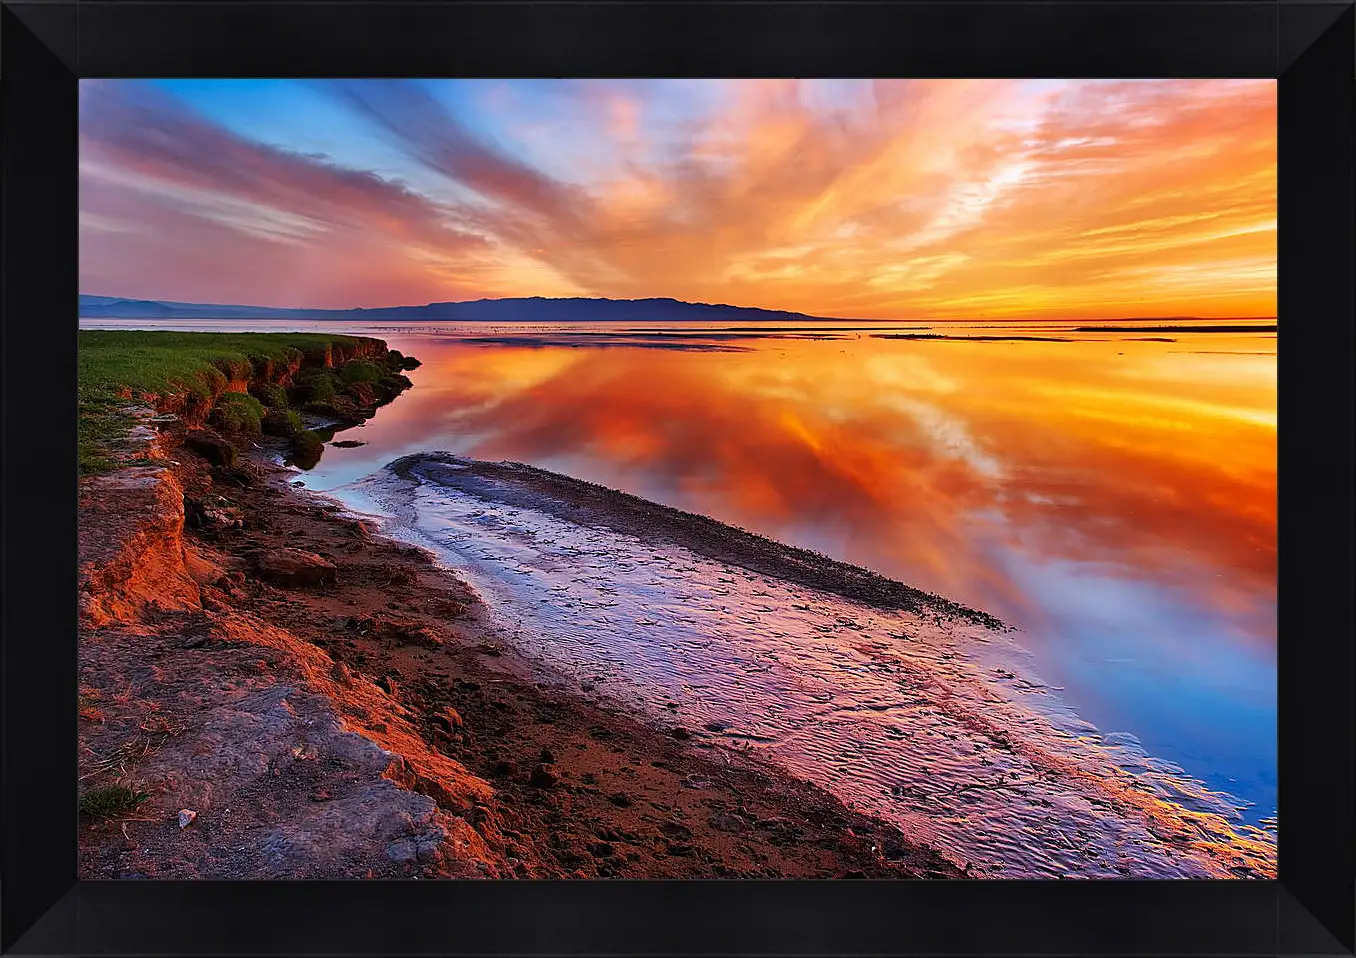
column 884, row 198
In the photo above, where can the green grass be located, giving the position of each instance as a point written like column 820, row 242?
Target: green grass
column 237, row 413
column 282, row 422
column 159, row 362
column 361, row 371
column 118, row 367
column 307, row 447
column 313, row 385
column 111, row 801
column 270, row 394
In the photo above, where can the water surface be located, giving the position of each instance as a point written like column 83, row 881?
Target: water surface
column 1110, row 494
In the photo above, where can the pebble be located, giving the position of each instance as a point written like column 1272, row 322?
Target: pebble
column 727, row 822
column 186, row 816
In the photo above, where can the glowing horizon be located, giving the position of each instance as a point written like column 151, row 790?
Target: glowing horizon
column 961, row 199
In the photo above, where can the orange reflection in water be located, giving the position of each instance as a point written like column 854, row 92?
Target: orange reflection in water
column 918, row 459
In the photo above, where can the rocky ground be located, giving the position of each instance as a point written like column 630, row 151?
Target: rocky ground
column 283, row 693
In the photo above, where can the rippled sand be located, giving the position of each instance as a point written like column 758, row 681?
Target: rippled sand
column 912, row 709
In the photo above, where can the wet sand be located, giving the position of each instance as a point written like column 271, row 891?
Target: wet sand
column 914, row 709
column 578, row 787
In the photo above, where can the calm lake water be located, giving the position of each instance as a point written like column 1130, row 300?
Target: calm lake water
column 1113, row 495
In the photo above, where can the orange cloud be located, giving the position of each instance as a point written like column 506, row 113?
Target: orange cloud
column 899, row 198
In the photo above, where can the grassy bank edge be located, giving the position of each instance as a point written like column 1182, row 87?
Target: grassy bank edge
column 243, row 384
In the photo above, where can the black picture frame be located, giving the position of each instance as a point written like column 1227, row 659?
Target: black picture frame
column 45, row 46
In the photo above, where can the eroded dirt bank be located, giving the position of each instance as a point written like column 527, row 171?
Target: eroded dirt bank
column 322, row 702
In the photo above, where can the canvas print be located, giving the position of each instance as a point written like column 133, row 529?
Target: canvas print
column 569, row 478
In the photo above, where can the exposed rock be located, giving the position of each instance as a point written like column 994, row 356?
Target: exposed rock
column 543, row 777
column 424, row 636
column 211, row 447
column 186, row 816
column 295, row 567
column 728, row 822
column 212, row 514
column 132, row 546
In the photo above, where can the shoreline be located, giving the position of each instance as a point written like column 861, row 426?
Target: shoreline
column 580, row 501
column 323, row 701
column 527, row 510
column 355, row 717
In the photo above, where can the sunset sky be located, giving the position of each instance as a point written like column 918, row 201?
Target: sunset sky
column 892, row 199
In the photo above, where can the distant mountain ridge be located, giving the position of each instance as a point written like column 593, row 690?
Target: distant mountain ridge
column 526, row 309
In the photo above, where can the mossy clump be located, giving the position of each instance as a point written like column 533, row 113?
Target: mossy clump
column 396, row 360
column 270, row 394
column 392, row 385
column 281, row 422
column 313, row 385
column 238, row 413
column 307, row 447
column 364, row 394
column 337, row 410
column 111, row 801
column 361, row 371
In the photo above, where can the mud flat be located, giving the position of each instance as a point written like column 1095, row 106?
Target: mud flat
column 269, row 688
column 464, row 669
column 915, row 710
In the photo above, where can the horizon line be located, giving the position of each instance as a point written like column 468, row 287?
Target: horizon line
column 673, row 299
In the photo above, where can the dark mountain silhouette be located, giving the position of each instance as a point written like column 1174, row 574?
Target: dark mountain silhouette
column 534, row 309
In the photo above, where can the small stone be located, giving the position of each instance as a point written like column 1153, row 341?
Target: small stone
column 547, row 755
column 680, row 733
column 295, row 567
column 186, row 816
column 404, row 850
column 894, row 849
column 543, row 777
column 211, row 447
column 620, row 799
column 425, row 636
column 449, row 719
column 727, row 822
